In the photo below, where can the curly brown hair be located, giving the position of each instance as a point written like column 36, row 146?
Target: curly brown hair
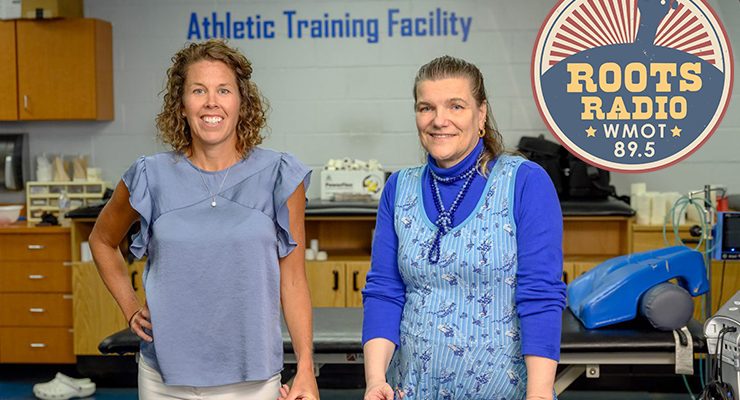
column 173, row 128
column 450, row 67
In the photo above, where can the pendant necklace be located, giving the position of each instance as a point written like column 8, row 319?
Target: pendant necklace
column 213, row 195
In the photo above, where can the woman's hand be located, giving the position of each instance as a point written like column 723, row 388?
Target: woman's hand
column 139, row 321
column 304, row 388
column 540, row 377
column 378, row 353
column 380, row 391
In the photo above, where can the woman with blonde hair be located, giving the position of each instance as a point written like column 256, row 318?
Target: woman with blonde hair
column 464, row 298
column 222, row 227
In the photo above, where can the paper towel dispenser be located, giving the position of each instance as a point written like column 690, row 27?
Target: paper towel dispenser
column 14, row 161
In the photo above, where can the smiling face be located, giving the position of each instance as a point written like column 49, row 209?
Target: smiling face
column 211, row 104
column 448, row 119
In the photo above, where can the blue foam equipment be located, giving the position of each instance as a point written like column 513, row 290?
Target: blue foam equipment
column 610, row 292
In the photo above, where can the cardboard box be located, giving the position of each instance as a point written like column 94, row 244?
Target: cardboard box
column 38, row 9
column 351, row 182
column 10, row 9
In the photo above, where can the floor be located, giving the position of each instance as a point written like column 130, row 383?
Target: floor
column 18, row 392
column 16, row 383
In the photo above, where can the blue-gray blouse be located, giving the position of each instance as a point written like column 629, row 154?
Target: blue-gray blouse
column 212, row 278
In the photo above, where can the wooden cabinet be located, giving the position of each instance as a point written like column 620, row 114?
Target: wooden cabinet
column 326, row 283
column 8, row 73
column 595, row 239
column 650, row 237
column 35, row 295
column 355, row 282
column 59, row 69
column 339, row 281
column 336, row 283
column 36, row 345
column 96, row 314
column 588, row 241
column 349, row 237
column 574, row 269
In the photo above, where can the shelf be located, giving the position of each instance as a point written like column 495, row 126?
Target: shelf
column 44, row 196
column 658, row 228
column 346, row 255
column 71, row 195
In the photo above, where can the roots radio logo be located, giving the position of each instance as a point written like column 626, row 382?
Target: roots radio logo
column 632, row 85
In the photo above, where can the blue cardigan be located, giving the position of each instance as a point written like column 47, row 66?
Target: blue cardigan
column 540, row 293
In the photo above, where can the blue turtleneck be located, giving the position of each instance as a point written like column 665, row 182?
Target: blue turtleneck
column 449, row 191
column 540, row 293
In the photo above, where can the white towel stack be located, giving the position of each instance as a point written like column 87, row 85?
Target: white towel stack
column 652, row 207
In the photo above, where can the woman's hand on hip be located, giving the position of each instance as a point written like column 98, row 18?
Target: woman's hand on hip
column 139, row 321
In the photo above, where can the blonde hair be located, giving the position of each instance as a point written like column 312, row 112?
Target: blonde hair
column 450, row 67
column 174, row 130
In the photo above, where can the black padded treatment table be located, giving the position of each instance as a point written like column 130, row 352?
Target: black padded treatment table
column 338, row 340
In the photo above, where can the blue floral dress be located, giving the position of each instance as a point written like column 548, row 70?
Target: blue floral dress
column 459, row 331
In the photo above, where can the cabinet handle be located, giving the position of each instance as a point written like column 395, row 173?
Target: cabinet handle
column 36, row 247
column 38, row 345
column 133, row 280
column 354, row 281
column 336, row 280
column 36, row 277
column 25, row 102
column 36, row 310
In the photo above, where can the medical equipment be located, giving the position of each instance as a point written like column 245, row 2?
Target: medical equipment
column 727, row 236
column 610, row 292
column 723, row 339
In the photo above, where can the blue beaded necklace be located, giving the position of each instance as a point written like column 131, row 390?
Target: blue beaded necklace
column 445, row 218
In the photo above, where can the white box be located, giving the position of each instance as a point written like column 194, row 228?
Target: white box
column 10, row 9
column 38, row 9
column 351, row 182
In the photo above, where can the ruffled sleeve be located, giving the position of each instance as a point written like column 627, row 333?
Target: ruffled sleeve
column 136, row 181
column 291, row 173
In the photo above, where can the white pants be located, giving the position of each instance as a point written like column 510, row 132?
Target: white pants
column 151, row 387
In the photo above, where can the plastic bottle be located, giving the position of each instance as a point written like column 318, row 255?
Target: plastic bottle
column 64, row 204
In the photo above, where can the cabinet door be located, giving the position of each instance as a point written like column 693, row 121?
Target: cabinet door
column 64, row 69
column 96, row 314
column 597, row 237
column 724, row 286
column 8, row 81
column 579, row 268
column 568, row 271
column 727, row 277
column 326, row 281
column 356, row 274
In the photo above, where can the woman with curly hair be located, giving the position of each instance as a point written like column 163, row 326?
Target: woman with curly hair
column 222, row 226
